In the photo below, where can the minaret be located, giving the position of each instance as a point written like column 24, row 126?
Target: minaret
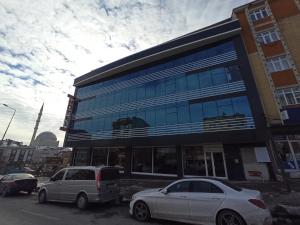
column 37, row 125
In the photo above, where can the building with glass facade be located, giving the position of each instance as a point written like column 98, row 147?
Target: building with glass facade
column 187, row 107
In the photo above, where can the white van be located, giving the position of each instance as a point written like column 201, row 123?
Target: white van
column 82, row 185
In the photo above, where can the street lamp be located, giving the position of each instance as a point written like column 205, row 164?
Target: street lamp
column 9, row 121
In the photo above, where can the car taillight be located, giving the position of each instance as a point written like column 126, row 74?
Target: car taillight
column 258, row 203
column 98, row 180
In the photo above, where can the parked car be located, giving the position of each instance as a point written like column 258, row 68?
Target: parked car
column 16, row 182
column 82, row 185
column 201, row 201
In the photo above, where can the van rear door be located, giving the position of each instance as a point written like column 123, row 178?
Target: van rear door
column 108, row 180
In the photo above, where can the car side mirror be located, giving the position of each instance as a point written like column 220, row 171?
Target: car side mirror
column 52, row 179
column 164, row 191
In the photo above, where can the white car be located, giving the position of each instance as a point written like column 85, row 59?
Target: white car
column 201, row 201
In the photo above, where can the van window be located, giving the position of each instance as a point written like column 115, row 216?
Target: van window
column 80, row 174
column 109, row 174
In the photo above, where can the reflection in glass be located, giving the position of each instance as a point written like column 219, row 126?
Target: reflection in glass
column 142, row 160
column 193, row 161
column 99, row 156
column 165, row 160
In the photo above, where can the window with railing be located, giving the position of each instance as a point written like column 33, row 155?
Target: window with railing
column 267, row 37
column 258, row 14
column 278, row 64
column 289, row 96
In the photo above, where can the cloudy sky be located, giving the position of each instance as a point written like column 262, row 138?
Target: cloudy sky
column 45, row 44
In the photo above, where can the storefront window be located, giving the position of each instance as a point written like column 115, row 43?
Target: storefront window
column 165, row 160
column 82, row 157
column 142, row 160
column 99, row 156
column 117, row 157
column 296, row 148
column 286, row 155
column 193, row 161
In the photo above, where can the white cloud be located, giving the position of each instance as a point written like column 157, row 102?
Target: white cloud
column 45, row 44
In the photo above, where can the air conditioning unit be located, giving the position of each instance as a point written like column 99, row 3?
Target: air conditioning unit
column 284, row 115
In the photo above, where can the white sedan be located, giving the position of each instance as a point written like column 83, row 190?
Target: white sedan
column 201, row 201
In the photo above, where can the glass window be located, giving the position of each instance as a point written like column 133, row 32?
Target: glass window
column 192, row 81
column 171, row 115
column 225, row 107
column 170, row 86
column 124, row 96
column 183, row 186
column 142, row 160
column 150, row 117
column 160, row 115
column 183, row 113
column 233, row 73
column 117, row 157
column 258, row 14
column 205, row 79
column 82, row 157
column 150, row 91
column 210, row 109
column 107, row 123
column 80, row 174
column 117, row 98
column 165, row 160
column 218, row 76
column 296, row 148
column 196, row 112
column 141, row 93
column 241, row 106
column 181, row 83
column 278, row 64
column 286, row 155
column 193, row 161
column 132, row 95
column 204, row 187
column 59, row 175
column 160, row 88
column 289, row 96
column 99, row 156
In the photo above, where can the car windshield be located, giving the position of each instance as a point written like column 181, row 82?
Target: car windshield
column 22, row 176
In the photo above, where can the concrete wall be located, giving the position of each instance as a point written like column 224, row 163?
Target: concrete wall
column 250, row 164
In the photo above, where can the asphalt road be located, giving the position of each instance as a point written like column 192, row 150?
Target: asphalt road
column 24, row 210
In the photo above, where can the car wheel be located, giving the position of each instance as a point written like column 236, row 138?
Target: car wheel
column 42, row 197
column 82, row 201
column 141, row 211
column 5, row 192
column 229, row 217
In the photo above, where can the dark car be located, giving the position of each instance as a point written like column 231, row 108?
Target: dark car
column 16, row 182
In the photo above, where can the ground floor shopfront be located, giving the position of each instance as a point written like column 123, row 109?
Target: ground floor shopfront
column 234, row 162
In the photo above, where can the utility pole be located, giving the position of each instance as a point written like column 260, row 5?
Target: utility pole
column 9, row 121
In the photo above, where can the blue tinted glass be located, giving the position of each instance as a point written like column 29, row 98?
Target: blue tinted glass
column 218, row 76
column 160, row 88
column 241, row 106
column 210, row 109
column 171, row 115
column 141, row 93
column 150, row 90
column 225, row 107
column 132, row 94
column 124, row 96
column 160, row 115
column 205, row 79
column 141, row 115
column 183, row 113
column 110, row 99
column 108, row 123
column 117, row 98
column 181, row 83
column 196, row 112
column 192, row 80
column 170, row 85
column 150, row 117
column 233, row 73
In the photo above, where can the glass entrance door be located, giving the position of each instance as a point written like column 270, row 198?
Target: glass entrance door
column 215, row 164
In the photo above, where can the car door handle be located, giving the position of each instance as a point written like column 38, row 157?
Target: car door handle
column 215, row 198
column 183, row 196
